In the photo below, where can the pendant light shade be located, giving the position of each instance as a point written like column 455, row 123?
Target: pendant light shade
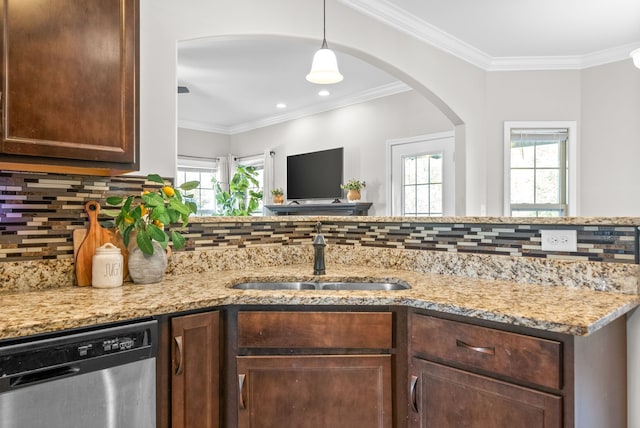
column 636, row 57
column 324, row 68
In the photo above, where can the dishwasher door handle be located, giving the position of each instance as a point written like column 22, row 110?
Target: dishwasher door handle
column 43, row 376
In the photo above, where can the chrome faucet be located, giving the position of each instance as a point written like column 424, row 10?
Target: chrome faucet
column 318, row 251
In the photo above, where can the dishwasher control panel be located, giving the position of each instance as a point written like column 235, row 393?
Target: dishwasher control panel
column 68, row 348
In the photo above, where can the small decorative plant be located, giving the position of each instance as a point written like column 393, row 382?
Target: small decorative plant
column 148, row 213
column 277, row 196
column 354, row 184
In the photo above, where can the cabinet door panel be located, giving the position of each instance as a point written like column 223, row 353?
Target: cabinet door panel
column 69, row 87
column 444, row 397
column 315, row 391
column 196, row 364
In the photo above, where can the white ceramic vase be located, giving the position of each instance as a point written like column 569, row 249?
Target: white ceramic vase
column 145, row 268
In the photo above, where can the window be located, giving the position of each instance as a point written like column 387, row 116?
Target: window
column 202, row 170
column 422, row 185
column 539, row 171
column 422, row 175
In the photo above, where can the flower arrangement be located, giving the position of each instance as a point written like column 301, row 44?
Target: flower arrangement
column 277, row 192
column 148, row 213
column 354, row 184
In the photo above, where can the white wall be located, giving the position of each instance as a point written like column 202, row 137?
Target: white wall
column 362, row 130
column 204, row 144
column 610, row 140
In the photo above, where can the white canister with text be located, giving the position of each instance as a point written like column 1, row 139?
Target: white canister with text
column 106, row 270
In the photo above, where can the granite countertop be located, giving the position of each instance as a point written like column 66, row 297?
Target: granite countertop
column 549, row 308
column 618, row 221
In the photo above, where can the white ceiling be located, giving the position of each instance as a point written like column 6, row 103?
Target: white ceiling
column 235, row 84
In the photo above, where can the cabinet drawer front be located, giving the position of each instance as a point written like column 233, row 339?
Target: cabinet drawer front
column 520, row 357
column 371, row 330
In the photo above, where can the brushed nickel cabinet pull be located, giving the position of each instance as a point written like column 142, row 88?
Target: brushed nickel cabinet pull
column 412, row 393
column 241, row 378
column 180, row 368
column 489, row 350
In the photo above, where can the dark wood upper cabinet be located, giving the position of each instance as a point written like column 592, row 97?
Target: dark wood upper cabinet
column 70, row 85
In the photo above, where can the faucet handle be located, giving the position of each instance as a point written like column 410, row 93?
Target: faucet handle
column 318, row 227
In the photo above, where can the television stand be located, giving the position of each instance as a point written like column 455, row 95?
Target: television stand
column 343, row 208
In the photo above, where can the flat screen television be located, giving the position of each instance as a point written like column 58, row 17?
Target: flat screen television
column 315, row 175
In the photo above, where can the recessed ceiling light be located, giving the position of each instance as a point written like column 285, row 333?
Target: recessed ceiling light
column 324, row 93
column 281, row 105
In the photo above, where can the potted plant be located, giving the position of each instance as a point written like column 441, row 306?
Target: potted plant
column 278, row 196
column 241, row 199
column 354, row 187
column 145, row 216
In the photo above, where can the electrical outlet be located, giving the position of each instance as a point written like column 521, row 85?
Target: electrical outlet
column 559, row 240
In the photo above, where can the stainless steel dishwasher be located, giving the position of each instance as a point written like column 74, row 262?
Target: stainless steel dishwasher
column 91, row 378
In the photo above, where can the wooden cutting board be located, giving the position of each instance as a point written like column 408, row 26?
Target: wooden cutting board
column 86, row 241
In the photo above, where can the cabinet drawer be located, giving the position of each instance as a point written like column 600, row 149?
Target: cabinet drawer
column 520, row 357
column 262, row 329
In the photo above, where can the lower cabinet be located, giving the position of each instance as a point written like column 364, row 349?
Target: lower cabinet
column 195, row 366
column 316, row 369
column 314, row 391
column 444, row 397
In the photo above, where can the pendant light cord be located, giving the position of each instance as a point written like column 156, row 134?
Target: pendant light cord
column 324, row 25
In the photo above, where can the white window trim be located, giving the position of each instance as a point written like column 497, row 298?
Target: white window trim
column 572, row 154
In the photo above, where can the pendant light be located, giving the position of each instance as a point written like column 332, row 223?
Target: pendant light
column 636, row 57
column 324, row 69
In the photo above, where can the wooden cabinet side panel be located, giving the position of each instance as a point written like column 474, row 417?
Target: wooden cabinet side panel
column 316, row 391
column 196, row 389
column 70, row 79
column 450, row 398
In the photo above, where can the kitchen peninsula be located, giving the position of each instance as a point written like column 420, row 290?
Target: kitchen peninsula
column 569, row 307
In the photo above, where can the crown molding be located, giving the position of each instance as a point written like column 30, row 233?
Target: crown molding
column 398, row 18
column 402, row 21
column 361, row 97
column 203, row 126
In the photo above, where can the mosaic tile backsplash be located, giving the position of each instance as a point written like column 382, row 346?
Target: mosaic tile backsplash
column 38, row 213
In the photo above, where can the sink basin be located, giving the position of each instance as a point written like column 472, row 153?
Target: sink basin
column 275, row 286
column 375, row 286
column 334, row 286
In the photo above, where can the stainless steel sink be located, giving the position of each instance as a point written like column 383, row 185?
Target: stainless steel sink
column 329, row 285
column 275, row 286
column 375, row 286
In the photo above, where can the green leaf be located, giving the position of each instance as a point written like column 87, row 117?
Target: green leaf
column 178, row 240
column 174, row 216
column 114, row 200
column 163, row 217
column 153, row 199
column 155, row 178
column 111, row 213
column 156, row 233
column 126, row 235
column 127, row 204
column 179, row 206
column 190, row 185
column 192, row 206
column 144, row 242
